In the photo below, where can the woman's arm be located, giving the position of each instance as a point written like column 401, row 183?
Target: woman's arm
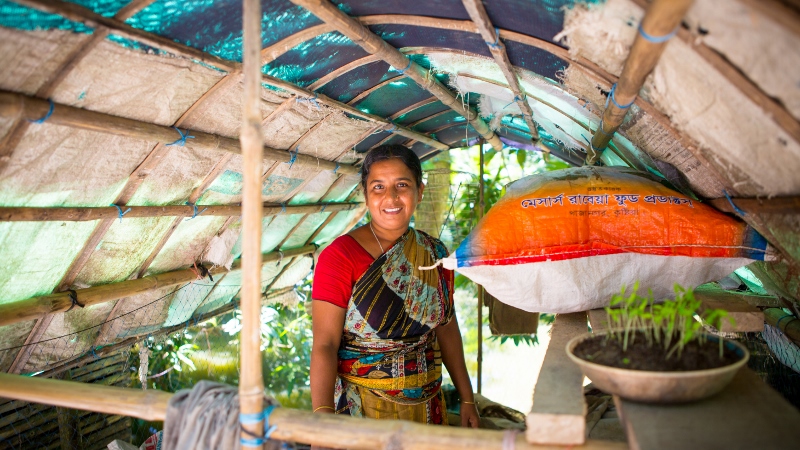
column 449, row 337
column 327, row 325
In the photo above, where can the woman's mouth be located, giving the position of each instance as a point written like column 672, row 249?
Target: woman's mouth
column 392, row 210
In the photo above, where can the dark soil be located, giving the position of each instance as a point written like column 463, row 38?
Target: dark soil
column 640, row 356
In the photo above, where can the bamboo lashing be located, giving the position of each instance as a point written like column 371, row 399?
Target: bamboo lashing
column 663, row 17
column 82, row 214
column 360, row 35
column 31, row 108
column 80, row 14
column 786, row 323
column 251, row 381
column 477, row 12
column 774, row 205
column 35, row 307
column 291, row 425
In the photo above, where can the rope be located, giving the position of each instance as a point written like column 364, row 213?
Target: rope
column 778, row 324
column 733, row 205
column 195, row 213
column 293, row 156
column 496, row 44
column 336, row 168
column 283, row 208
column 73, row 296
column 392, row 129
column 403, row 71
column 310, row 100
column 280, row 258
column 657, row 39
column 247, row 419
column 613, row 100
column 46, row 116
column 184, row 136
column 120, row 213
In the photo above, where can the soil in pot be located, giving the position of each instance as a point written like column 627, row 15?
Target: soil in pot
column 641, row 356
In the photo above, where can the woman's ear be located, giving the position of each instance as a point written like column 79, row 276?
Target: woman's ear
column 421, row 190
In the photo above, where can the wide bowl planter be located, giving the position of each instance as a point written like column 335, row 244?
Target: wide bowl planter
column 658, row 387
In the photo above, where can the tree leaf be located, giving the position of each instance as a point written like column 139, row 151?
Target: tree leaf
column 522, row 155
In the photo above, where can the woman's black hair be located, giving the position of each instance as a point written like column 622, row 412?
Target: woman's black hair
column 384, row 152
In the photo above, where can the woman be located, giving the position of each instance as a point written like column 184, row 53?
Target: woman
column 378, row 321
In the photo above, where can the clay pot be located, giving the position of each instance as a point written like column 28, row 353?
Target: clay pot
column 659, row 387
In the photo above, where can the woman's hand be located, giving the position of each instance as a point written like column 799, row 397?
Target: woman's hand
column 469, row 415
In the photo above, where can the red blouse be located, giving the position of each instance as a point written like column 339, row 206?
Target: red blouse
column 338, row 268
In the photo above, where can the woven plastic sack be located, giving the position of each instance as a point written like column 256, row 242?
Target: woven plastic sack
column 567, row 240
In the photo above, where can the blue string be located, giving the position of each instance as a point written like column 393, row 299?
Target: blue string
column 403, row 71
column 325, row 205
column 611, row 97
column 195, row 213
column 94, row 352
column 393, row 128
column 733, row 205
column 248, row 419
column 600, row 130
column 119, row 210
column 496, row 43
column 778, row 324
column 283, row 208
column 311, row 101
column 182, row 141
column 293, row 156
column 46, row 116
column 336, row 168
column 657, row 39
column 516, row 99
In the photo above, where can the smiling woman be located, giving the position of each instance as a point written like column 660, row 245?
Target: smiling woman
column 382, row 327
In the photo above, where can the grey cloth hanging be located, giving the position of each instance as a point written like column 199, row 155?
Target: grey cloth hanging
column 206, row 417
column 506, row 320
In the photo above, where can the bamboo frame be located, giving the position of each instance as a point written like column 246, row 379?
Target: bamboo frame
column 477, row 12
column 480, row 208
column 359, row 34
column 35, row 307
column 19, row 105
column 775, row 205
column 662, row 18
column 82, row 214
column 791, row 328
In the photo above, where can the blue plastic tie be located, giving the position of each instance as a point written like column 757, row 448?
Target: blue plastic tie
column 310, row 100
column 611, row 97
column 184, row 136
column 778, row 324
column 283, row 208
column 46, row 116
column 195, row 213
column 733, row 205
column 403, row 71
column 600, row 130
column 336, row 168
column 293, row 156
column 496, row 44
column 248, row 419
column 657, row 39
column 393, row 128
column 94, row 352
column 120, row 212
column 324, row 205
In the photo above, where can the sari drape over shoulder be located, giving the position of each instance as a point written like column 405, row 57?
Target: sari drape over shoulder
column 389, row 354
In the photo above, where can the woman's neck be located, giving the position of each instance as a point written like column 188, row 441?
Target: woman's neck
column 387, row 238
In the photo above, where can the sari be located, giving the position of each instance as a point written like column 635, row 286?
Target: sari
column 389, row 363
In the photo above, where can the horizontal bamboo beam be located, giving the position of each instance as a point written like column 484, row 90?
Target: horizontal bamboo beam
column 366, row 39
column 662, row 18
column 91, row 19
column 82, row 214
column 35, row 307
column 775, row 205
column 14, row 105
column 291, row 425
column 477, row 12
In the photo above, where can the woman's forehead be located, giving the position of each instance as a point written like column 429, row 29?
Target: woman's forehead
column 392, row 168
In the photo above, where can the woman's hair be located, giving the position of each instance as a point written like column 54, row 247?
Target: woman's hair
column 384, row 152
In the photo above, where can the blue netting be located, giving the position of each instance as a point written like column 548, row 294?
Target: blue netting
column 373, row 139
column 314, row 58
column 107, row 8
column 393, row 97
column 449, row 9
column 13, row 15
column 421, row 112
column 348, row 85
column 438, row 122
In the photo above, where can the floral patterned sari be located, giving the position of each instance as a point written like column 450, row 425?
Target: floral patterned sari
column 389, row 359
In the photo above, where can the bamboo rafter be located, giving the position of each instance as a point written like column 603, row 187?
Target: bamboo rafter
column 662, row 18
column 373, row 44
column 478, row 14
column 83, row 15
column 82, row 214
column 774, row 205
column 36, row 307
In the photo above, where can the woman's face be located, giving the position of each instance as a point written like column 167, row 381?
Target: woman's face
column 392, row 194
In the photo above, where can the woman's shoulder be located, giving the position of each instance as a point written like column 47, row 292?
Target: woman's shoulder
column 343, row 245
column 434, row 243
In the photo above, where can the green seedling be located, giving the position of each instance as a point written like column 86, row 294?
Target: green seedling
column 670, row 325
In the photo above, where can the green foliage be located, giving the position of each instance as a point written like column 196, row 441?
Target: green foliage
column 528, row 339
column 670, row 325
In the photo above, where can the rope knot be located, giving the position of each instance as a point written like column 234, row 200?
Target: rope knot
column 195, row 212
column 182, row 140
column 49, row 113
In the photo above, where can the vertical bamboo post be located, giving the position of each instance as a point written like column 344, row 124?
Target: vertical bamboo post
column 481, row 206
column 663, row 17
column 251, row 381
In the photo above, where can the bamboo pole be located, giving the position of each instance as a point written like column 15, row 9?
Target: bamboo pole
column 82, row 214
column 480, row 209
column 251, row 381
column 663, row 17
column 786, row 323
column 35, row 307
column 91, row 19
column 329, row 430
column 31, row 108
column 359, row 34
column 477, row 12
column 775, row 205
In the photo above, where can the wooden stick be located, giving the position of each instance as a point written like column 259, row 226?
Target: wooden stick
column 775, row 205
column 291, row 425
column 662, row 18
column 477, row 12
column 480, row 210
column 786, row 323
column 36, row 307
column 30, row 108
column 82, row 214
column 251, row 382
column 359, row 34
